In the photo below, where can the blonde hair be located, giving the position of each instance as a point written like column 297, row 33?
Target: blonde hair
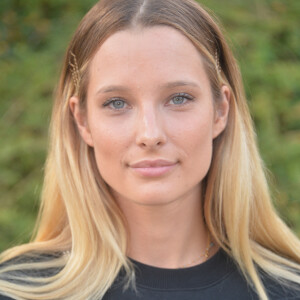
column 79, row 215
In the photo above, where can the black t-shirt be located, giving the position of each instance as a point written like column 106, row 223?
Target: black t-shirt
column 217, row 278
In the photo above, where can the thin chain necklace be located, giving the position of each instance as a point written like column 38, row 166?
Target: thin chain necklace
column 204, row 256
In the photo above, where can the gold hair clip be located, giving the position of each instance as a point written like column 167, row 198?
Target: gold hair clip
column 218, row 67
column 74, row 71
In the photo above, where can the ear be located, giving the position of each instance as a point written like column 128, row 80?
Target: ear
column 81, row 120
column 221, row 112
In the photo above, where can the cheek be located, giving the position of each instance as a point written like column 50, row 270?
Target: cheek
column 110, row 144
column 194, row 135
column 198, row 144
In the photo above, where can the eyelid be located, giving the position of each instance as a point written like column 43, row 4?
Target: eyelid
column 108, row 102
column 184, row 95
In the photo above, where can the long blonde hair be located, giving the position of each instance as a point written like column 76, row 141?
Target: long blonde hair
column 78, row 213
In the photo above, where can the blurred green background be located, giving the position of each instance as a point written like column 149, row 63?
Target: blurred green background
column 34, row 34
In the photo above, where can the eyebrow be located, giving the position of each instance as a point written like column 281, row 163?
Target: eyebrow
column 121, row 88
column 111, row 88
column 179, row 83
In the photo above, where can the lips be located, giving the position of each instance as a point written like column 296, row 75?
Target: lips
column 153, row 163
column 153, row 168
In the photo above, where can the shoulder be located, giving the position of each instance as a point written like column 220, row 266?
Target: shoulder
column 5, row 297
column 22, row 270
column 276, row 288
column 280, row 289
column 30, row 264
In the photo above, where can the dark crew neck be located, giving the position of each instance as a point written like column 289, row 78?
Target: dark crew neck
column 204, row 274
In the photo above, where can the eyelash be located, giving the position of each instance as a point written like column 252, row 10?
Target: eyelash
column 111, row 101
column 184, row 96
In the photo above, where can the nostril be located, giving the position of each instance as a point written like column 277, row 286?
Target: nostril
column 151, row 134
column 149, row 143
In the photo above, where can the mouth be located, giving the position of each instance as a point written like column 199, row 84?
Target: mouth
column 153, row 168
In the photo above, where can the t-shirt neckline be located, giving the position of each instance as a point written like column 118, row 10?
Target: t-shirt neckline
column 206, row 273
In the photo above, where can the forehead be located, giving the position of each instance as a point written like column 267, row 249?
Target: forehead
column 156, row 53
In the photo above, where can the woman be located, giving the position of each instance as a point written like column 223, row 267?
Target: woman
column 153, row 186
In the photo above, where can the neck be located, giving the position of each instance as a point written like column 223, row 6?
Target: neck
column 169, row 235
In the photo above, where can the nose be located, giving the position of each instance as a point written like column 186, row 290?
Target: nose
column 150, row 131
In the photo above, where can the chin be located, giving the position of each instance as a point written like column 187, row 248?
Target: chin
column 154, row 201
column 151, row 198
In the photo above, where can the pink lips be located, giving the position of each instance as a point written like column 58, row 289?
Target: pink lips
column 153, row 168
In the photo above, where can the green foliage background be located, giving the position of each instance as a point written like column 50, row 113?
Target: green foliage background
column 34, row 34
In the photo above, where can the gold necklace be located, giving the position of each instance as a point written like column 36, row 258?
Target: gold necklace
column 205, row 255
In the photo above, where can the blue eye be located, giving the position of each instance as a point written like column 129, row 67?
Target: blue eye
column 181, row 99
column 116, row 104
column 178, row 100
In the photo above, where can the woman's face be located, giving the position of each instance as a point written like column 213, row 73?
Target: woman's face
column 150, row 115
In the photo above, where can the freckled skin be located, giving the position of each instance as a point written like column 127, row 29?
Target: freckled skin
column 151, row 126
